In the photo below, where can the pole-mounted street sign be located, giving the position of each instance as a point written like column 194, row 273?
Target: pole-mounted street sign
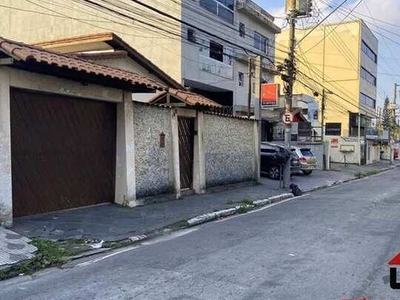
column 287, row 118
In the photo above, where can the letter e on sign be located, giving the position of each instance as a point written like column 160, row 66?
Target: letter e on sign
column 287, row 118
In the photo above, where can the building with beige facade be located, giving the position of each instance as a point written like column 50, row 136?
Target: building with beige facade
column 342, row 58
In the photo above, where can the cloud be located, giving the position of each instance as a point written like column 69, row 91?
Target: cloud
column 386, row 10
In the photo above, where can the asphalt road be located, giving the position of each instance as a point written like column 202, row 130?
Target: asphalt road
column 332, row 244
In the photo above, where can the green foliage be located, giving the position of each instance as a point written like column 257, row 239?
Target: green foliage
column 49, row 254
column 247, row 201
column 388, row 122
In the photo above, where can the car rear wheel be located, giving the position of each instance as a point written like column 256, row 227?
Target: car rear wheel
column 307, row 172
column 274, row 173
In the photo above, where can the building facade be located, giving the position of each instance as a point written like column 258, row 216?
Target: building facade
column 200, row 43
column 342, row 58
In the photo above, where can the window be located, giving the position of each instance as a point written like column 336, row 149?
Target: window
column 191, row 35
column 368, row 76
column 260, row 42
column 222, row 8
column 368, row 51
column 216, row 51
column 242, row 30
column 368, row 101
column 241, row 79
column 333, row 129
column 306, row 152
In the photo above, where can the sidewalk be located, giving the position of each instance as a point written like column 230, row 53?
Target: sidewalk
column 111, row 222
column 360, row 171
column 14, row 248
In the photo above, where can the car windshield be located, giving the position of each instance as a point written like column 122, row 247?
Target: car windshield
column 306, row 152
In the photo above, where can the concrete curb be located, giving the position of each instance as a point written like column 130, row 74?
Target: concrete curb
column 339, row 182
column 237, row 209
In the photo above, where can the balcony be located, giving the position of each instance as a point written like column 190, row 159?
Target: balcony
column 215, row 67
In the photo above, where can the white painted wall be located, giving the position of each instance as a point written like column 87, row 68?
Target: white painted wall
column 5, row 151
column 341, row 157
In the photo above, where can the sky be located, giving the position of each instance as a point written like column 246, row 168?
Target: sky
column 375, row 12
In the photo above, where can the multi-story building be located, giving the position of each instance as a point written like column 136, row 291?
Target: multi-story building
column 203, row 44
column 342, row 58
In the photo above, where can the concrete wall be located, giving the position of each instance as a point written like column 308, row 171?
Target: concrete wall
column 5, row 151
column 338, row 156
column 373, row 153
column 386, row 152
column 229, row 150
column 197, row 65
column 128, row 64
column 154, row 166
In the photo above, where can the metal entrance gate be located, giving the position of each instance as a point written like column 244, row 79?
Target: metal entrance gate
column 186, row 147
column 63, row 152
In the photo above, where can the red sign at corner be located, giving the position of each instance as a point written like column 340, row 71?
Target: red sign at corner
column 269, row 94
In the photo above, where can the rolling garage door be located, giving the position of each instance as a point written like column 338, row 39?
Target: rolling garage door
column 63, row 152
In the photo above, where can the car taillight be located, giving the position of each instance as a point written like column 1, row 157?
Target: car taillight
column 303, row 159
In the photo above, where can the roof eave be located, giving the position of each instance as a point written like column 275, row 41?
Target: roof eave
column 83, row 78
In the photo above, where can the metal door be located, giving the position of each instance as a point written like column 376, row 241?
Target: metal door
column 186, row 146
column 63, row 152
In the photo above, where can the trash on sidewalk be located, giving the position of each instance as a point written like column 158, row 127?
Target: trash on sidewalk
column 97, row 245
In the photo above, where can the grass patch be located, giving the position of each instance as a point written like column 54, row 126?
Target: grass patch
column 247, row 201
column 359, row 175
column 244, row 209
column 118, row 244
column 49, row 254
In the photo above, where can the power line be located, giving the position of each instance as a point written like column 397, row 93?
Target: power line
column 319, row 23
column 197, row 28
column 336, row 26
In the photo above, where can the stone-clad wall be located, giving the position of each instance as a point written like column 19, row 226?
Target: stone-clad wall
column 229, row 150
column 154, row 167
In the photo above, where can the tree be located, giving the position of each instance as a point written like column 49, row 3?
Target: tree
column 387, row 117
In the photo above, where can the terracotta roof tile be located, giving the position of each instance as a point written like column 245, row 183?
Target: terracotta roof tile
column 26, row 53
column 193, row 99
column 117, row 43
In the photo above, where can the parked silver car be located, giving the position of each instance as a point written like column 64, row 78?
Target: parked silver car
column 307, row 159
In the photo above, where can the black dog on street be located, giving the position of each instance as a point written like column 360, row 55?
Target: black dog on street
column 295, row 189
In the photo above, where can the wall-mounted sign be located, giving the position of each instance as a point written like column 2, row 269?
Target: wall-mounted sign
column 304, row 131
column 269, row 94
column 347, row 148
column 335, row 143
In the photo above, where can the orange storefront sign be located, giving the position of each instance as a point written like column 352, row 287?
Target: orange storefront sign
column 269, row 94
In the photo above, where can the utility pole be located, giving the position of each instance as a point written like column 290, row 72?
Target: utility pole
column 359, row 137
column 289, row 93
column 250, row 72
column 393, row 123
column 294, row 10
column 323, row 107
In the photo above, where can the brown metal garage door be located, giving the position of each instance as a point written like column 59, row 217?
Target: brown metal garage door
column 63, row 152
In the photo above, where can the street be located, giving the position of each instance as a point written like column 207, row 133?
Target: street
column 331, row 244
